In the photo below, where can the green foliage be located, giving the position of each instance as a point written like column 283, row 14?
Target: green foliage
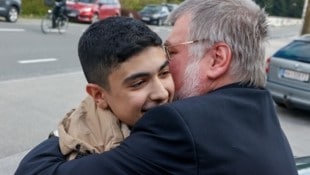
column 33, row 8
column 296, row 8
column 284, row 8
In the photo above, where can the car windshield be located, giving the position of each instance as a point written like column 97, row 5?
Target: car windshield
column 84, row 1
column 297, row 50
column 151, row 9
column 171, row 7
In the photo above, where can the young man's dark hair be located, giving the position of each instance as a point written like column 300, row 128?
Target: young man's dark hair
column 101, row 53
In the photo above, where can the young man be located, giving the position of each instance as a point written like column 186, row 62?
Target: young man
column 127, row 73
column 225, row 122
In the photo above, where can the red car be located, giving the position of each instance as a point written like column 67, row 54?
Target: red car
column 92, row 10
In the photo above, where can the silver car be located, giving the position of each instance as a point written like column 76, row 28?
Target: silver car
column 288, row 74
column 303, row 165
column 10, row 9
column 154, row 14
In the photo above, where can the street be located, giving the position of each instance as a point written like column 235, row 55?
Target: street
column 41, row 80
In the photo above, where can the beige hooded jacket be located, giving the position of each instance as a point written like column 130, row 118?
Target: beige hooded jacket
column 89, row 129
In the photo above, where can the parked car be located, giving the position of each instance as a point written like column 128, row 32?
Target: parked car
column 10, row 9
column 171, row 7
column 92, row 10
column 288, row 74
column 154, row 14
column 303, row 165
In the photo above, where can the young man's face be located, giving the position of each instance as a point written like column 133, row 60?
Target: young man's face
column 139, row 84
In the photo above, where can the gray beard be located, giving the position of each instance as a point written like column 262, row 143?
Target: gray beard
column 190, row 84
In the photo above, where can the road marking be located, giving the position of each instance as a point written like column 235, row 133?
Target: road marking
column 37, row 60
column 11, row 30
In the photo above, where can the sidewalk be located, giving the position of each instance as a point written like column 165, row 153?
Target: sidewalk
column 41, row 103
column 30, row 109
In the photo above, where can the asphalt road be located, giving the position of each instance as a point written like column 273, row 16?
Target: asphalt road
column 24, row 42
column 41, row 80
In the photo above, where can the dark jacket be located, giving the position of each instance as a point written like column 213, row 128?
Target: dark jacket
column 231, row 131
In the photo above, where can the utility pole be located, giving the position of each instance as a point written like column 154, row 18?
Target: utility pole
column 306, row 18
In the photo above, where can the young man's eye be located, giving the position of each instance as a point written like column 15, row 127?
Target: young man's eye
column 137, row 84
column 164, row 73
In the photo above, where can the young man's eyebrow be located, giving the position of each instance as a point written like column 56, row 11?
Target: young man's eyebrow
column 135, row 76
column 143, row 74
column 166, row 63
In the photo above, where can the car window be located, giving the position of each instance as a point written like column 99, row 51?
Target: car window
column 87, row 1
column 152, row 9
column 165, row 9
column 297, row 50
column 171, row 7
column 113, row 2
column 103, row 1
column 110, row 2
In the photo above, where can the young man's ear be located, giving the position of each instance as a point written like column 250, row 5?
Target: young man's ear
column 98, row 94
column 219, row 60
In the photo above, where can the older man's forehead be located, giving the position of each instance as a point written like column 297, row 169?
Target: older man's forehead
column 179, row 31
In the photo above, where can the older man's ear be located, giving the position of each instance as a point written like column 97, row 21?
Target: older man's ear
column 217, row 60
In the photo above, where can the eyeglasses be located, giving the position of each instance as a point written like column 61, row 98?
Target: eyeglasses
column 166, row 47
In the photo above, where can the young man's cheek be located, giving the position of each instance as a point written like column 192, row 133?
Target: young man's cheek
column 169, row 86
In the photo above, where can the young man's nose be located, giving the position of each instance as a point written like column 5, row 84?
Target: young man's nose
column 159, row 92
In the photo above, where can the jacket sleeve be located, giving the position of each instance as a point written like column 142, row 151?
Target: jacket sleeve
column 43, row 159
column 160, row 142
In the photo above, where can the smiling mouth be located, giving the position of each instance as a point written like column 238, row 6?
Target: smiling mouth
column 144, row 110
column 149, row 107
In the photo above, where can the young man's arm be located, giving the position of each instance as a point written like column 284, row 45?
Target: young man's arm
column 160, row 143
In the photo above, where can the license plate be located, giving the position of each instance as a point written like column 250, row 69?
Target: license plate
column 145, row 18
column 72, row 14
column 300, row 76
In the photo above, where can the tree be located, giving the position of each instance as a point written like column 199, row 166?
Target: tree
column 284, row 8
column 266, row 4
column 295, row 8
column 306, row 25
